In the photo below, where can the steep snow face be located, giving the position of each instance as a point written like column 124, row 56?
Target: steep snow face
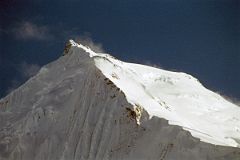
column 88, row 105
column 67, row 111
column 177, row 97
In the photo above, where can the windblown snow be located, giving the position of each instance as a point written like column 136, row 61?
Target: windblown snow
column 88, row 105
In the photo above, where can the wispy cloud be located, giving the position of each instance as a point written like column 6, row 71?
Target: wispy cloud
column 1, row 30
column 231, row 99
column 87, row 41
column 30, row 31
column 14, row 84
column 148, row 63
column 26, row 71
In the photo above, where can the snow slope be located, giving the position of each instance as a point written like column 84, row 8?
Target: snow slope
column 177, row 97
column 88, row 105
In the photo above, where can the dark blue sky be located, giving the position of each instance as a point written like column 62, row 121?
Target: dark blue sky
column 199, row 37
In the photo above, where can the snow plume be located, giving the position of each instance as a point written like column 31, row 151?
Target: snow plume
column 231, row 99
column 14, row 84
column 26, row 71
column 86, row 40
column 29, row 31
column 148, row 63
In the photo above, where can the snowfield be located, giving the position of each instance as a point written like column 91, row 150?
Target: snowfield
column 88, row 105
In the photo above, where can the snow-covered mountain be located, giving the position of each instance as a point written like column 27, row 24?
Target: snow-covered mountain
column 88, row 105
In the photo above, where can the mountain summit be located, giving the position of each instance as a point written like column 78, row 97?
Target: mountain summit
column 89, row 105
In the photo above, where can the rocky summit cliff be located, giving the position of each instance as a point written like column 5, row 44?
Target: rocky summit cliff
column 88, row 105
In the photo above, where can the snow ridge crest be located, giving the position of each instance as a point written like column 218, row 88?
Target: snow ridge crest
column 72, row 44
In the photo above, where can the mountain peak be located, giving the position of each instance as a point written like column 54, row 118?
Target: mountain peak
column 72, row 44
column 178, row 97
column 88, row 105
